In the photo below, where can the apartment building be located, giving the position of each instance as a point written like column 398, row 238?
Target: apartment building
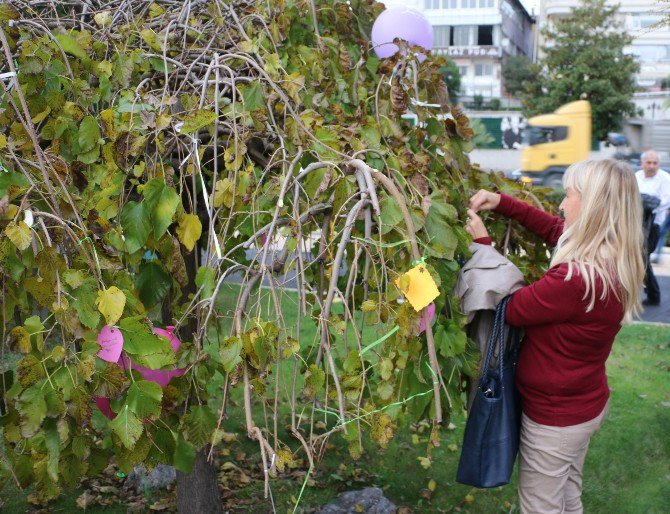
column 478, row 35
column 640, row 18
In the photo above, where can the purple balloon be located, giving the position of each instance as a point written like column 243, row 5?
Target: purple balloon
column 404, row 23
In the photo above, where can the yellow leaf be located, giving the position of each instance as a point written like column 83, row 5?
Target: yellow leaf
column 249, row 47
column 103, row 19
column 163, row 120
column 19, row 234
column 432, row 485
column 110, row 303
column 105, row 68
column 223, row 193
column 425, row 462
column 39, row 117
column 19, row 340
column 233, row 160
column 3, row 141
column 189, row 230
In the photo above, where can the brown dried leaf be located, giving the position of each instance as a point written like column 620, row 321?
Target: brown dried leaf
column 399, row 98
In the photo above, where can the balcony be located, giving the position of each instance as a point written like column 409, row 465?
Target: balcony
column 470, row 51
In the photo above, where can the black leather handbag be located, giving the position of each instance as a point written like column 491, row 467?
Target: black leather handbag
column 491, row 438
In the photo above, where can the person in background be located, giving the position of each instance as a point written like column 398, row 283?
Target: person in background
column 570, row 318
column 653, row 181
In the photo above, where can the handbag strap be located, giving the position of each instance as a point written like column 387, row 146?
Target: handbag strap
column 497, row 336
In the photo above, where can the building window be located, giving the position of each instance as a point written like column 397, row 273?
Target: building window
column 463, row 71
column 644, row 21
column 442, row 35
column 485, row 35
column 485, row 3
column 471, row 4
column 449, row 4
column 461, row 35
column 431, row 4
column 483, row 70
column 650, row 53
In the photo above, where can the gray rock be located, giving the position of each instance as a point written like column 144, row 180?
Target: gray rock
column 160, row 477
column 370, row 500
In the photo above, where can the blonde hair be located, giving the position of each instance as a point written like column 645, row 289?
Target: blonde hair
column 605, row 242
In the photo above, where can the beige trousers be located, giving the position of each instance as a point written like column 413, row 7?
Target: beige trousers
column 550, row 465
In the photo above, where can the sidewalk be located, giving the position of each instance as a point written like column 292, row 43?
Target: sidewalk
column 660, row 313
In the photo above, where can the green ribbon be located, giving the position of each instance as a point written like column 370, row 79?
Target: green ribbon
column 381, row 339
column 421, row 261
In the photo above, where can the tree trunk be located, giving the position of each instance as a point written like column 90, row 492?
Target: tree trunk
column 198, row 491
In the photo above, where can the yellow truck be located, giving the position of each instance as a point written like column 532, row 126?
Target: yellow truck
column 552, row 142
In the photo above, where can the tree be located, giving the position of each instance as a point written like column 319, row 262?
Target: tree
column 452, row 78
column 517, row 73
column 584, row 59
column 150, row 151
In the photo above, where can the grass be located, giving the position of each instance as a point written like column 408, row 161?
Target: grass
column 627, row 469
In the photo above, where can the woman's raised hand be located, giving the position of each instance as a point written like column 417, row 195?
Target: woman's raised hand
column 484, row 200
column 475, row 226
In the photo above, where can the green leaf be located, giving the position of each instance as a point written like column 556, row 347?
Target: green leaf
column 35, row 328
column 371, row 136
column 147, row 348
column 7, row 12
column 450, row 340
column 254, row 97
column 152, row 283
column 89, row 134
column 189, row 230
column 162, row 202
column 127, row 426
column 136, row 224
column 71, row 45
column 74, row 278
column 205, row 278
column 11, row 179
column 52, row 442
column 443, row 240
column 19, row 234
column 315, row 378
column 197, row 120
column 229, row 353
column 29, row 370
column 144, row 399
column 199, row 425
column 55, row 404
column 184, row 455
column 391, row 215
column 110, row 303
column 85, row 296
column 33, row 409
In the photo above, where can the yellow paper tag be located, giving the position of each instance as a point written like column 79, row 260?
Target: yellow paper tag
column 422, row 289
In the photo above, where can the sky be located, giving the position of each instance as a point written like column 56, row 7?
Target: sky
column 531, row 4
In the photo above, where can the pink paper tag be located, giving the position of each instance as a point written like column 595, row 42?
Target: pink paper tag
column 111, row 341
column 431, row 317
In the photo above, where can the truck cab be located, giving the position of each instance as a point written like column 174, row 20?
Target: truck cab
column 552, row 142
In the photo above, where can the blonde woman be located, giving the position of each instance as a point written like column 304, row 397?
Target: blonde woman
column 571, row 317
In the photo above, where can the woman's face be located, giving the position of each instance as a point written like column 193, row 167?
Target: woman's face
column 570, row 206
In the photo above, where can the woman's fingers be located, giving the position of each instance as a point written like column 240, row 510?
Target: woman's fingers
column 484, row 200
column 475, row 226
